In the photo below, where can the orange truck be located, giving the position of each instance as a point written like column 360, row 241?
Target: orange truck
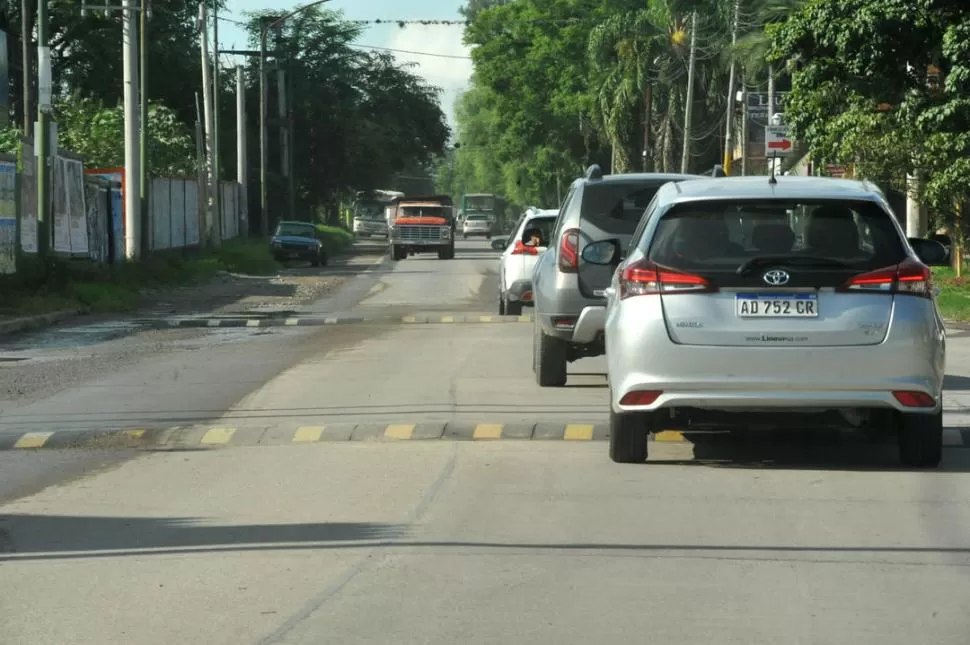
column 422, row 224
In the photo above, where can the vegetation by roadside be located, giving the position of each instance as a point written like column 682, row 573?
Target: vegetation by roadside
column 94, row 289
column 954, row 298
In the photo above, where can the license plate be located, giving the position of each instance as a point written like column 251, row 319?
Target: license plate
column 294, row 254
column 772, row 305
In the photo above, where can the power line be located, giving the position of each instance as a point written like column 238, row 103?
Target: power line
column 408, row 51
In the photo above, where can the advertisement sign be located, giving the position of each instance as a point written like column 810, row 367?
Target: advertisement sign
column 4, row 80
column 8, row 217
column 68, row 210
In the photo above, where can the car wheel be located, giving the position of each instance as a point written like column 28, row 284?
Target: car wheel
column 447, row 253
column 921, row 439
column 501, row 304
column 628, row 437
column 397, row 253
column 550, row 359
column 513, row 308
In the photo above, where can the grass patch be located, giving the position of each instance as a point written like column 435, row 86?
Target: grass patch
column 335, row 239
column 954, row 298
column 93, row 288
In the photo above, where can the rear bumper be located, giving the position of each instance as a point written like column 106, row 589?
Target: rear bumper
column 520, row 290
column 641, row 356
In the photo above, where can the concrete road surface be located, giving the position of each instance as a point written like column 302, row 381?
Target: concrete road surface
column 394, row 482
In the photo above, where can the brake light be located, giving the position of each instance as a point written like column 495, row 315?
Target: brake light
column 642, row 279
column 909, row 277
column 569, row 251
column 913, row 399
column 522, row 249
column 640, row 397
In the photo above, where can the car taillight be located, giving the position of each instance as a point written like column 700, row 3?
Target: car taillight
column 522, row 249
column 909, row 277
column 912, row 399
column 641, row 279
column 569, row 251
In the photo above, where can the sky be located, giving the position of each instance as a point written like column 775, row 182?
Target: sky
column 449, row 73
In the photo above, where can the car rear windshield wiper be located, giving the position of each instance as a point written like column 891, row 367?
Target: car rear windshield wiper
column 813, row 261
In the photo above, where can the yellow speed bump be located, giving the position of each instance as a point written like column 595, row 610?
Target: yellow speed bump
column 578, row 432
column 669, row 435
column 217, row 436
column 33, row 440
column 399, row 431
column 308, row 434
column 488, row 431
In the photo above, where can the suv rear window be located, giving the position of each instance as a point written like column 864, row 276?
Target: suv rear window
column 721, row 236
column 616, row 208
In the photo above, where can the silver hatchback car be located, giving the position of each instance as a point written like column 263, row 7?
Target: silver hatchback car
column 796, row 301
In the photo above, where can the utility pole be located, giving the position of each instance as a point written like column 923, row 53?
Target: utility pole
column 42, row 139
column 25, row 30
column 729, row 122
column 291, row 156
column 200, row 175
column 213, row 234
column 744, row 127
column 143, row 180
column 216, row 91
column 689, row 107
column 129, row 37
column 647, row 125
column 242, row 167
column 263, row 153
column 281, row 108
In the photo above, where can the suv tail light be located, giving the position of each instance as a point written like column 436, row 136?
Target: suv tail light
column 569, row 251
column 522, row 249
column 909, row 277
column 642, row 279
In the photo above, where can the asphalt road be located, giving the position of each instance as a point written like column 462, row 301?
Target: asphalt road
column 302, row 488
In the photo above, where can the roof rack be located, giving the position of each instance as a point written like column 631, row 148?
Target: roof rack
column 594, row 172
column 718, row 171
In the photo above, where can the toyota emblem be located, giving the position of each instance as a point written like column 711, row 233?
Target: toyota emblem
column 776, row 277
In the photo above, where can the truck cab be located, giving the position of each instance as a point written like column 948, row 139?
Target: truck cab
column 422, row 224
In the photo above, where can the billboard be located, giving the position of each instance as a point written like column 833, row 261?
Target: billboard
column 4, row 80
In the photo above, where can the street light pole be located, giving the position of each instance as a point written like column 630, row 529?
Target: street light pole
column 265, row 27
column 146, row 14
column 42, row 134
column 217, row 196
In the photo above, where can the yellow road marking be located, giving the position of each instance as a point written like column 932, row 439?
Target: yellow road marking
column 409, row 319
column 217, row 436
column 488, row 431
column 669, row 435
column 447, row 319
column 136, row 433
column 578, row 432
column 33, row 440
column 308, row 434
column 291, row 322
column 525, row 318
column 485, row 319
column 252, row 323
column 399, row 431
column 331, row 321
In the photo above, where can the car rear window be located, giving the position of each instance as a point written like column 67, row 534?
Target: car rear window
column 544, row 225
column 723, row 235
column 617, row 207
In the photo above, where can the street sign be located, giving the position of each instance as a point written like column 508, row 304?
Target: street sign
column 835, row 170
column 777, row 141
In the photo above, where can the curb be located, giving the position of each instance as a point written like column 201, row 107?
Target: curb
column 27, row 323
column 317, row 321
column 957, row 325
column 225, row 435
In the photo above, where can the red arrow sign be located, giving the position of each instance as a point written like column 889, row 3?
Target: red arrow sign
column 784, row 144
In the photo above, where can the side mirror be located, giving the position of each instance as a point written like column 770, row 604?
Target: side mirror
column 499, row 244
column 930, row 252
column 603, row 253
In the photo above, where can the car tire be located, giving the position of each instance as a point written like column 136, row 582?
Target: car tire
column 628, row 437
column 447, row 253
column 397, row 253
column 920, row 439
column 513, row 308
column 501, row 304
column 550, row 358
